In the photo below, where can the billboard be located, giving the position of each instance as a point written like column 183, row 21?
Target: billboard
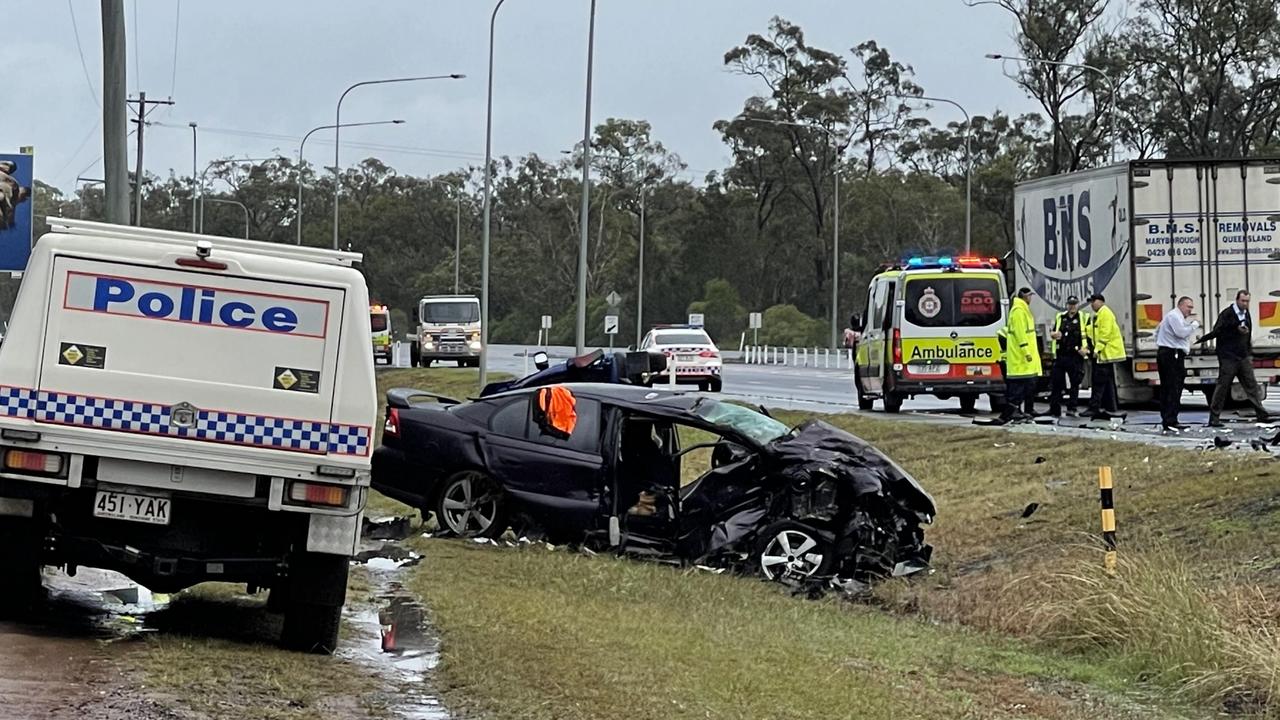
column 17, row 216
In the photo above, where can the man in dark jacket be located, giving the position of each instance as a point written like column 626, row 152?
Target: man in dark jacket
column 1233, row 331
column 1068, row 361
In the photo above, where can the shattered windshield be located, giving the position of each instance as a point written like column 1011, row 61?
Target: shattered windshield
column 760, row 428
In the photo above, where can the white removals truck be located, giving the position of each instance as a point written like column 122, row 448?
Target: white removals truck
column 1145, row 233
column 183, row 408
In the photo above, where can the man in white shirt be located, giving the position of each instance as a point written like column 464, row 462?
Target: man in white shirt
column 1173, row 342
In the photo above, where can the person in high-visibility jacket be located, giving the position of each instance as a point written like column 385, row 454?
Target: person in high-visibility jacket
column 1106, row 345
column 1022, row 358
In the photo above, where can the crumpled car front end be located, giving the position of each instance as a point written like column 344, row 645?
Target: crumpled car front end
column 827, row 508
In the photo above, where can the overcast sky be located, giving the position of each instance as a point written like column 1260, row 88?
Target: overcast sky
column 277, row 67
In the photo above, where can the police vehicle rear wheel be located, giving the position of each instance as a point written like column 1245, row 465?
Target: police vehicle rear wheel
column 19, row 561
column 716, row 384
column 313, row 608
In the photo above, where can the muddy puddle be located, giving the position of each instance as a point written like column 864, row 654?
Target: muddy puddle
column 68, row 657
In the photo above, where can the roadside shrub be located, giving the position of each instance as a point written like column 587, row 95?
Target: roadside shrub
column 786, row 326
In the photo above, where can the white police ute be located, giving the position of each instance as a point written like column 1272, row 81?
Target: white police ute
column 184, row 408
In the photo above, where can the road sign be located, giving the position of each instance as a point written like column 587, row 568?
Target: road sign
column 17, row 203
column 756, row 321
column 610, row 324
column 546, row 322
column 613, row 298
column 695, row 320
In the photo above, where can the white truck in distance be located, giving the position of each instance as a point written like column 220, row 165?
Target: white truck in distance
column 1144, row 233
column 183, row 408
column 448, row 329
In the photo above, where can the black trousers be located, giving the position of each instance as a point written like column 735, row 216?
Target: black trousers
column 1017, row 393
column 1231, row 369
column 1067, row 366
column 1172, row 364
column 1103, row 396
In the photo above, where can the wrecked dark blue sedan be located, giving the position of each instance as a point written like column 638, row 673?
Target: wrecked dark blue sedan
column 669, row 475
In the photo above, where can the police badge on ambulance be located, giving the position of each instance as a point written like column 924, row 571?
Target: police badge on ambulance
column 929, row 304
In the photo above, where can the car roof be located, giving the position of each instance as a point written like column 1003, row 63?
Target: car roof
column 669, row 402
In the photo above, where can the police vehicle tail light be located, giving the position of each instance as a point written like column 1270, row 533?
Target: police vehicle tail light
column 316, row 494
column 392, row 426
column 709, row 354
column 33, row 462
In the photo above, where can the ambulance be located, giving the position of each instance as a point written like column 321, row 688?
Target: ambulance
column 185, row 408
column 930, row 326
column 380, row 331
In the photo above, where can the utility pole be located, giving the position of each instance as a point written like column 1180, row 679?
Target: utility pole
column 115, row 155
column 141, row 120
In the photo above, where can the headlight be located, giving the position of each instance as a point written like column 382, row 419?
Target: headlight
column 428, row 344
column 475, row 337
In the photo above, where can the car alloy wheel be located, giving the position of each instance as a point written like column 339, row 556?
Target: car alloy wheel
column 792, row 554
column 471, row 506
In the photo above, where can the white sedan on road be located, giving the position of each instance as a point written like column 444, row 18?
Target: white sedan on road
column 696, row 358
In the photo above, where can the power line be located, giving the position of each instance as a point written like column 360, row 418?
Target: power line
column 80, row 49
column 137, row 40
column 402, row 149
column 177, row 19
column 79, row 148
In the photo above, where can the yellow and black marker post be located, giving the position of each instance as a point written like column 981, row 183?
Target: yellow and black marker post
column 1108, row 518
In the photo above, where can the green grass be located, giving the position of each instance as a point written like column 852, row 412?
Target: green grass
column 530, row 633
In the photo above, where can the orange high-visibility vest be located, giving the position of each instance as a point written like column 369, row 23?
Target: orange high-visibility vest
column 556, row 411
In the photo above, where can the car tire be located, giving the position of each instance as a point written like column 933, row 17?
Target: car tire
column 317, row 589
column 792, row 552
column 716, row 385
column 892, row 402
column 704, row 386
column 415, row 355
column 968, row 403
column 471, row 505
column 462, row 363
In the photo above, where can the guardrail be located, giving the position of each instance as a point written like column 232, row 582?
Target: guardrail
column 814, row 357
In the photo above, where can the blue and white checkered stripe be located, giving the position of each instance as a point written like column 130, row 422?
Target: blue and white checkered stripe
column 211, row 426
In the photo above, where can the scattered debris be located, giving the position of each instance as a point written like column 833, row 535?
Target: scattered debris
column 1005, row 445
column 1221, row 442
column 1055, row 484
column 1030, row 509
column 1040, row 459
column 387, row 528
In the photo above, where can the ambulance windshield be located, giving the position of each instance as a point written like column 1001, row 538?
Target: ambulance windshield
column 378, row 322
column 463, row 311
column 959, row 301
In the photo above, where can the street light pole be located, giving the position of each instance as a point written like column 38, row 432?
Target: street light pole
column 303, row 144
column 581, row 334
column 484, row 234
column 457, row 242
column 968, row 164
column 226, row 201
column 337, row 127
column 193, row 175
column 640, row 276
column 835, row 224
column 1081, row 66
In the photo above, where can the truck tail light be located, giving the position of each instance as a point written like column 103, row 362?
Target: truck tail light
column 1145, row 367
column 33, row 462
column 1267, row 363
column 392, row 426
column 316, row 494
column 897, row 346
column 709, row 354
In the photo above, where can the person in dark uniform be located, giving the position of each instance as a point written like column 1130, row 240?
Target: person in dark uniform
column 1067, row 340
column 1234, row 333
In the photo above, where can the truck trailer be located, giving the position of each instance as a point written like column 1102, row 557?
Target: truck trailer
column 1146, row 232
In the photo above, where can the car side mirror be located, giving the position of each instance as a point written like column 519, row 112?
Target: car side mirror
column 541, row 361
column 615, row 531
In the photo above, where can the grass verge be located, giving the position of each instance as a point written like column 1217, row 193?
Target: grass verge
column 535, row 634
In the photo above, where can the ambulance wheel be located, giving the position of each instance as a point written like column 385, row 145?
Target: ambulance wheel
column 313, row 607
column 864, row 402
column 892, row 402
column 415, row 355
column 968, row 403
